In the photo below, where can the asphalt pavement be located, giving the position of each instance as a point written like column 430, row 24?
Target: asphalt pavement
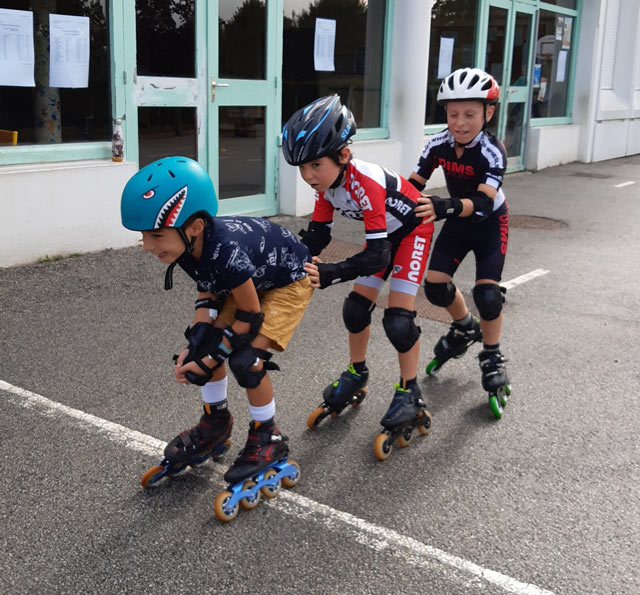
column 545, row 500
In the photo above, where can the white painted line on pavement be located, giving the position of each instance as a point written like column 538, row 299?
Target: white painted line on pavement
column 623, row 184
column 524, row 278
column 373, row 536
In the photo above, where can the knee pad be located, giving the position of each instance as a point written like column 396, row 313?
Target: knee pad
column 356, row 312
column 244, row 358
column 440, row 294
column 400, row 328
column 488, row 300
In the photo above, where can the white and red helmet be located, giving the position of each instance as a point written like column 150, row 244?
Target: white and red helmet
column 469, row 84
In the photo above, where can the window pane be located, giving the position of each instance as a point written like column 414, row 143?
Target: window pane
column 242, row 150
column 496, row 37
column 551, row 71
column 165, row 38
column 359, row 48
column 453, row 23
column 45, row 114
column 513, row 131
column 243, row 36
column 562, row 3
column 521, row 38
column 166, row 131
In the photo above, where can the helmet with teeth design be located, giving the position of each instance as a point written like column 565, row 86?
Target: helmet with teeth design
column 166, row 193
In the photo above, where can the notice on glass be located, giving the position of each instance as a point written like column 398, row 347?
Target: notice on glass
column 16, row 48
column 559, row 28
column 324, row 44
column 69, row 51
column 561, row 69
column 445, row 57
column 566, row 33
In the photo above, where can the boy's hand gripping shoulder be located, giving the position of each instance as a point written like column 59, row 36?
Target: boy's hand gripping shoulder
column 375, row 257
column 316, row 237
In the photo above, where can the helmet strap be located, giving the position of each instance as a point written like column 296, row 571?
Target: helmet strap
column 189, row 244
column 340, row 177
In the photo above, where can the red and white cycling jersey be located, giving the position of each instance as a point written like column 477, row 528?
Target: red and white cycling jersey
column 374, row 194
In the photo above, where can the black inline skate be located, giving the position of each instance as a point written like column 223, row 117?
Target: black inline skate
column 209, row 439
column 406, row 413
column 349, row 389
column 454, row 344
column 494, row 379
column 259, row 470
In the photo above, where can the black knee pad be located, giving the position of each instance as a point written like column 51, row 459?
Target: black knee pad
column 400, row 328
column 488, row 300
column 356, row 312
column 440, row 294
column 244, row 358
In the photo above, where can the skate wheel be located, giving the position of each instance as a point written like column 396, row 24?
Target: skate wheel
column 425, row 424
column 496, row 407
column 359, row 397
column 222, row 509
column 504, row 397
column 404, row 438
column 151, row 476
column 382, row 448
column 290, row 481
column 250, row 502
column 433, row 366
column 316, row 416
column 270, row 491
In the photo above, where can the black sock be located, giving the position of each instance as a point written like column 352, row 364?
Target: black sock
column 408, row 383
column 360, row 367
column 491, row 347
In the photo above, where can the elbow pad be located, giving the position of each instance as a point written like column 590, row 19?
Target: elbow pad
column 482, row 206
column 417, row 184
column 374, row 258
column 316, row 237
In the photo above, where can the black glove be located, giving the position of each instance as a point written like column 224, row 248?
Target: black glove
column 444, row 208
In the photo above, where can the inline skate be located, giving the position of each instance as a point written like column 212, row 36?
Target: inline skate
column 259, row 470
column 349, row 389
column 495, row 380
column 454, row 344
column 406, row 413
column 209, row 439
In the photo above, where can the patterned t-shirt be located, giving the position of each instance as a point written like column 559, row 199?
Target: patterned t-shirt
column 236, row 249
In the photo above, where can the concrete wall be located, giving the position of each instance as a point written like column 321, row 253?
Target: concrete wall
column 551, row 145
column 55, row 209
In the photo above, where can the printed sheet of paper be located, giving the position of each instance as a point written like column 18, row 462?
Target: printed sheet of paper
column 324, row 44
column 445, row 57
column 69, row 51
column 561, row 69
column 16, row 48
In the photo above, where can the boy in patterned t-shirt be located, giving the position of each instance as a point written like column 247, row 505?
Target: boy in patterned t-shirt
column 256, row 268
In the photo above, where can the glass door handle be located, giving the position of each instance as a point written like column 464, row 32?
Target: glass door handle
column 213, row 88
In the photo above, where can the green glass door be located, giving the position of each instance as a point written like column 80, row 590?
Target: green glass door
column 509, row 29
column 245, row 44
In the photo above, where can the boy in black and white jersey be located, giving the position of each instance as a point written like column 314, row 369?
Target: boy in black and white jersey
column 477, row 219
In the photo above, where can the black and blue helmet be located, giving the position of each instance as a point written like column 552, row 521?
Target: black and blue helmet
column 318, row 130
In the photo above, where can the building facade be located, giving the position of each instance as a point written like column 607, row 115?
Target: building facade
column 214, row 80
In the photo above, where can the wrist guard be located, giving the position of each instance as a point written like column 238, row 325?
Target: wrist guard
column 214, row 305
column 415, row 183
column 445, row 208
column 204, row 341
column 375, row 257
column 316, row 237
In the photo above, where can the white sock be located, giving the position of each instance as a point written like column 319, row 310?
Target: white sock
column 215, row 392
column 264, row 413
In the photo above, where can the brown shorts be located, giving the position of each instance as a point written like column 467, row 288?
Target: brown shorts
column 283, row 309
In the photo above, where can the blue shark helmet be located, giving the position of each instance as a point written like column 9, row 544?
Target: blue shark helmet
column 318, row 130
column 166, row 193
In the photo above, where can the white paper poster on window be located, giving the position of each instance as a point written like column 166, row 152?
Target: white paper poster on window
column 445, row 57
column 566, row 33
column 324, row 44
column 16, row 48
column 68, row 51
column 562, row 66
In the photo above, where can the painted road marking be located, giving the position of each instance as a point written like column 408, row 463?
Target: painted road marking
column 373, row 536
column 524, row 278
column 623, row 184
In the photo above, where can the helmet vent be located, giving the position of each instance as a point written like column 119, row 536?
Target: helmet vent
column 474, row 79
column 463, row 76
column 486, row 86
column 149, row 178
column 450, row 82
column 171, row 173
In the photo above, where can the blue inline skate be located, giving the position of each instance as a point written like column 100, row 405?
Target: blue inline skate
column 495, row 380
column 261, row 468
column 349, row 389
column 406, row 413
column 454, row 344
column 211, row 438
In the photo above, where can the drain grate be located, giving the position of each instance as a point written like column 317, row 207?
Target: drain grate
column 533, row 222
